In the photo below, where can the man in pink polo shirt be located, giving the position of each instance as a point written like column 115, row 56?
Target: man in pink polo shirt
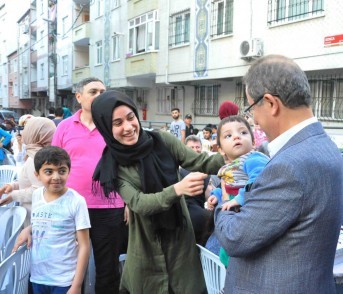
column 84, row 144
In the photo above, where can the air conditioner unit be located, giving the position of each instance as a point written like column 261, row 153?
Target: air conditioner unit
column 252, row 48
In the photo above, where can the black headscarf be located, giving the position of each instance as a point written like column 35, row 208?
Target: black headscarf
column 157, row 167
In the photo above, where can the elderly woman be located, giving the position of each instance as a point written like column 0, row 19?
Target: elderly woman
column 37, row 134
column 143, row 167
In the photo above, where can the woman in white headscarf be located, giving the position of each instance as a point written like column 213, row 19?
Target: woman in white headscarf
column 37, row 134
column 19, row 149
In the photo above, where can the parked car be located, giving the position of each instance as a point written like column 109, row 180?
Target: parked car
column 6, row 114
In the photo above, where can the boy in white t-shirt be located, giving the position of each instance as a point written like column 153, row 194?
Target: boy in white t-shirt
column 59, row 224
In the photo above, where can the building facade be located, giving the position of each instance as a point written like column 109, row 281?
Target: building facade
column 182, row 53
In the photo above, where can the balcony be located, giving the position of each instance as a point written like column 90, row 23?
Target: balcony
column 80, row 74
column 34, row 87
column 34, row 56
column 81, row 34
column 142, row 64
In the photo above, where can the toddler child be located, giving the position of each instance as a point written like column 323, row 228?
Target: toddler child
column 236, row 140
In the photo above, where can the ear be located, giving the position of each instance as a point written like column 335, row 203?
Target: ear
column 272, row 103
column 78, row 97
column 37, row 175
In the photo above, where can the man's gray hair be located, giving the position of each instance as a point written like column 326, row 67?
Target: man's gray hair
column 84, row 82
column 192, row 138
column 280, row 76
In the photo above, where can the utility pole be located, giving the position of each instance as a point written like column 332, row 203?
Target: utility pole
column 52, row 28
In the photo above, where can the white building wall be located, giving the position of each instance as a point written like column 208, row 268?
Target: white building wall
column 42, row 45
column 97, row 35
column 301, row 40
column 64, row 45
column 9, row 15
column 120, row 27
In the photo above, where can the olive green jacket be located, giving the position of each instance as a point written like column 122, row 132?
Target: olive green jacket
column 168, row 263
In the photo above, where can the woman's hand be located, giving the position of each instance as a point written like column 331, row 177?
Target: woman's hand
column 6, row 200
column 23, row 237
column 126, row 215
column 191, row 185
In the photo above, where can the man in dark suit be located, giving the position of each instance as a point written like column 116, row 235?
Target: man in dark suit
column 284, row 238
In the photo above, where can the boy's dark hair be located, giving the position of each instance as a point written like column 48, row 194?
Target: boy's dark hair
column 208, row 129
column 59, row 111
column 175, row 108
column 51, row 110
column 51, row 155
column 233, row 118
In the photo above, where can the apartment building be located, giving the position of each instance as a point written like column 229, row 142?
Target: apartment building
column 10, row 12
column 193, row 54
column 182, row 53
column 211, row 44
column 64, row 14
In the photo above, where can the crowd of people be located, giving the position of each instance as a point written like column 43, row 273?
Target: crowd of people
column 250, row 188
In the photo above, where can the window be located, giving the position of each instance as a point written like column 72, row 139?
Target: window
column 15, row 65
column 179, row 28
column 115, row 3
column 222, row 18
column 98, row 8
column 206, row 100
column 280, row 11
column 115, row 47
column 42, row 39
column 327, row 95
column 143, row 32
column 42, row 71
column 167, row 99
column 11, row 66
column 15, row 90
column 64, row 25
column 64, row 65
column 99, row 52
column 240, row 96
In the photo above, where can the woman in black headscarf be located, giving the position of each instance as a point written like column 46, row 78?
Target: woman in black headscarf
column 143, row 167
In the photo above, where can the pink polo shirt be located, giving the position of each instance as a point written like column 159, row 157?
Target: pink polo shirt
column 85, row 149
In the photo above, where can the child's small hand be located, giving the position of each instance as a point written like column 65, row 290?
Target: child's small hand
column 74, row 290
column 6, row 200
column 5, row 189
column 212, row 202
column 23, row 237
column 229, row 204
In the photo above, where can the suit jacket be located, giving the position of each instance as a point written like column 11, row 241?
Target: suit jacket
column 285, row 236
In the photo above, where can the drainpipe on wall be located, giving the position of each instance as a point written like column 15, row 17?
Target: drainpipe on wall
column 167, row 51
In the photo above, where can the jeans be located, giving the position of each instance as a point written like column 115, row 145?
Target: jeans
column 108, row 234
column 44, row 289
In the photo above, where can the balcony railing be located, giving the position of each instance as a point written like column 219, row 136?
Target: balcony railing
column 81, row 34
column 80, row 73
column 141, row 64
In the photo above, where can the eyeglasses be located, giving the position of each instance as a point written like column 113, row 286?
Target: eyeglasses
column 248, row 110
